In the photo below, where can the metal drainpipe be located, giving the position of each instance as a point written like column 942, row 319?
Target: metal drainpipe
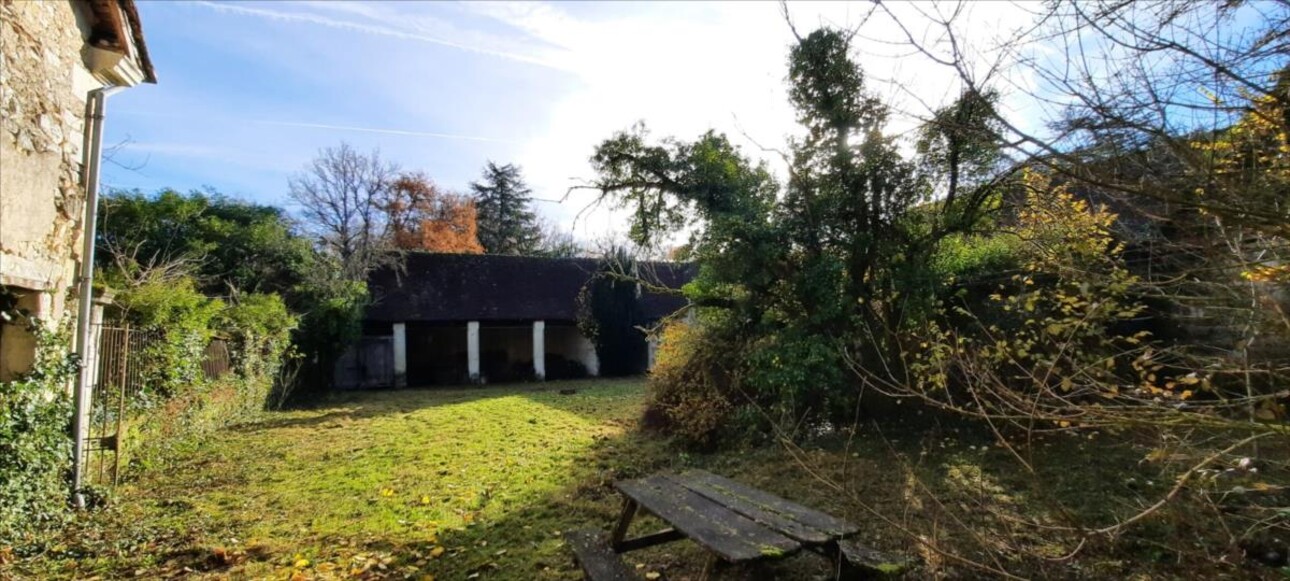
column 85, row 291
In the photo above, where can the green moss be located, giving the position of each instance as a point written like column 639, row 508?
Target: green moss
column 772, row 552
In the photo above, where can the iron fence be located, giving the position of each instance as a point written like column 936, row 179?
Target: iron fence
column 119, row 382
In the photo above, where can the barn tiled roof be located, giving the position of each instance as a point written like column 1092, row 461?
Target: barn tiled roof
column 440, row 288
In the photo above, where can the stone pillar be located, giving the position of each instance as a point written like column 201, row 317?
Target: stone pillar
column 400, row 355
column 472, row 350
column 101, row 302
column 539, row 350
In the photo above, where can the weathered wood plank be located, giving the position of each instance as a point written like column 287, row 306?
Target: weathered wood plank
column 730, row 535
column 599, row 562
column 770, row 518
column 861, row 561
column 741, row 496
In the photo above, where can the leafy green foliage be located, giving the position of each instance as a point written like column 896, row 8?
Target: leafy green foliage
column 970, row 257
column 506, row 224
column 223, row 242
column 216, row 246
column 835, row 262
column 35, row 452
column 183, row 320
column 1044, row 341
column 260, row 326
column 332, row 321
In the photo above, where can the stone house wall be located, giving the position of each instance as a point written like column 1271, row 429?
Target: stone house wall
column 43, row 89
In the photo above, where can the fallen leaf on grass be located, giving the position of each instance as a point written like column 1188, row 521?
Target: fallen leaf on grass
column 653, row 575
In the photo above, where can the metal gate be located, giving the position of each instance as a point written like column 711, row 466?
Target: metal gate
column 367, row 364
column 117, row 380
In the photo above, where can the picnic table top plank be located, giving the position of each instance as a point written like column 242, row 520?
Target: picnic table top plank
column 740, row 497
column 732, row 536
column 766, row 516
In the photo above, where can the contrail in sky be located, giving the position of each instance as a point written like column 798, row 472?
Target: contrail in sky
column 355, row 128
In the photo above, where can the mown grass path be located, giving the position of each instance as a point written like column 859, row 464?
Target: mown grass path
column 398, row 484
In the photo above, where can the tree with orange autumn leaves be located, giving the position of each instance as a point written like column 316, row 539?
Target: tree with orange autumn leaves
column 422, row 216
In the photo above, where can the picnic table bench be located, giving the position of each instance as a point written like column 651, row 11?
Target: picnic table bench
column 734, row 522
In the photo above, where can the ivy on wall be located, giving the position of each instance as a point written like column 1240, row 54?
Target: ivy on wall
column 608, row 314
column 35, row 417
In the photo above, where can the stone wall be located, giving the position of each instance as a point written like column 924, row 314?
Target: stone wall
column 43, row 87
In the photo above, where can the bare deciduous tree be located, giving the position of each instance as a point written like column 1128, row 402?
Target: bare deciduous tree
column 340, row 194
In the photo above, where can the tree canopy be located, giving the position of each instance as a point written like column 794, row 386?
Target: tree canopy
column 507, row 225
column 422, row 216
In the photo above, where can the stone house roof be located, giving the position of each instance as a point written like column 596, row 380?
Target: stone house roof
column 443, row 288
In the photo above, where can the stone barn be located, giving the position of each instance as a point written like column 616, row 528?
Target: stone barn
column 464, row 318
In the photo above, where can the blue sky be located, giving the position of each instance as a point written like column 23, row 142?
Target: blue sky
column 248, row 92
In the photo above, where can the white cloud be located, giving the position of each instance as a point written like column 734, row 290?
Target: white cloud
column 683, row 68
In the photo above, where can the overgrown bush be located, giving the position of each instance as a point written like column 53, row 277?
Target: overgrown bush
column 259, row 326
column 35, row 450
column 330, row 320
column 1045, row 341
column 183, row 318
column 690, row 385
column 791, row 375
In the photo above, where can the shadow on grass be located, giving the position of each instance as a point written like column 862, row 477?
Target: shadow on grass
column 948, row 484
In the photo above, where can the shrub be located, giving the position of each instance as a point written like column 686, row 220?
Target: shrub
column 794, row 374
column 260, row 326
column 35, row 452
column 966, row 257
column 183, row 317
column 689, row 384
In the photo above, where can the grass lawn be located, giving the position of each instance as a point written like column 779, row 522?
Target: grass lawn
column 479, row 483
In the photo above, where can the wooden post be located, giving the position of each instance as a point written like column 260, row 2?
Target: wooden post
column 710, row 567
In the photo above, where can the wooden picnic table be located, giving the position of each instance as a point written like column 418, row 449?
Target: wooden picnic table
column 735, row 522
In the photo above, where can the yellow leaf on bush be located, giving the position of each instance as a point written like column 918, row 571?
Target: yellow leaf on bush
column 436, row 552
